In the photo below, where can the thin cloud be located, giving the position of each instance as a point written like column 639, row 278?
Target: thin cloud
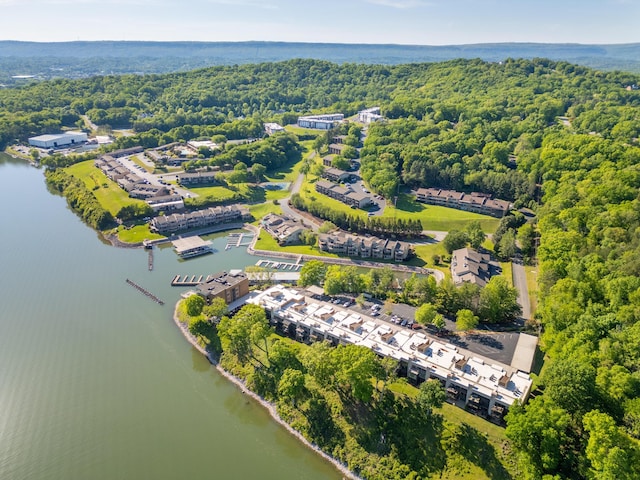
column 245, row 3
column 401, row 4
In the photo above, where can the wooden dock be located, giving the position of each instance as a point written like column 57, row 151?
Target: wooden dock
column 188, row 280
column 150, row 259
column 235, row 240
column 287, row 267
column 146, row 292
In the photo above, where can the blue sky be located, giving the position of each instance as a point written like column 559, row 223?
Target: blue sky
column 418, row 22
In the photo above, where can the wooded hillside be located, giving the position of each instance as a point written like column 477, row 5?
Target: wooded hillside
column 467, row 125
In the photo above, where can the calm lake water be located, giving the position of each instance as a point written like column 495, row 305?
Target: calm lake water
column 96, row 382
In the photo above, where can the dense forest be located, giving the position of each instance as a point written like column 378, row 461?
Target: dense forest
column 469, row 125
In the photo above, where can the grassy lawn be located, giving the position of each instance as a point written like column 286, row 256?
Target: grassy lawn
column 303, row 131
column 217, row 192
column 308, row 192
column 289, row 172
column 267, row 242
column 435, row 217
column 276, row 194
column 426, row 252
column 532, row 285
column 459, row 467
column 261, row 209
column 136, row 234
column 111, row 196
column 507, row 272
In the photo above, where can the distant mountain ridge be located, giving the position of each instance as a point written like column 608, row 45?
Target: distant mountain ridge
column 81, row 59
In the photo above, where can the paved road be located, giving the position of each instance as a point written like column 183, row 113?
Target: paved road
column 520, row 282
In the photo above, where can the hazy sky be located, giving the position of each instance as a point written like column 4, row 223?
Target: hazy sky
column 423, row 22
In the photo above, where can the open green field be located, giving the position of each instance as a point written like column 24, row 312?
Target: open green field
column 434, row 217
column 217, row 192
column 259, row 210
column 136, row 234
column 303, row 131
column 425, row 254
column 108, row 193
column 267, row 242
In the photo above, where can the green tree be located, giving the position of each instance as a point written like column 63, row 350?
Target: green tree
column 506, row 247
column 312, row 273
column 438, row 322
column 475, row 234
column 195, row 304
column 499, row 301
column 248, row 327
column 291, row 385
column 526, row 239
column 216, row 310
column 426, row 313
column 540, row 434
column 466, row 320
column 455, row 240
column 257, row 171
column 431, row 395
column 356, row 367
column 611, row 454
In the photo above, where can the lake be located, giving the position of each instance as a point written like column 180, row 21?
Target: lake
column 96, row 381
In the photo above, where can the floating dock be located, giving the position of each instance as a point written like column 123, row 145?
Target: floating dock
column 189, row 280
column 150, row 259
column 146, row 292
column 235, row 240
column 287, row 267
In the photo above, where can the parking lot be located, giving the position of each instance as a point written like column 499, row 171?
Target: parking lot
column 495, row 345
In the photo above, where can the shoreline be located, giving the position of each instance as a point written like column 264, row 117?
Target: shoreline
column 270, row 407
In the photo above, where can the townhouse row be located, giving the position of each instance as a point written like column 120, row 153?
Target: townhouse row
column 177, row 222
column 472, row 202
column 364, row 246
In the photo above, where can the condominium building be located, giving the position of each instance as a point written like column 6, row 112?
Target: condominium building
column 473, row 382
column 177, row 222
column 343, row 194
column 321, row 122
column 472, row 202
column 364, row 246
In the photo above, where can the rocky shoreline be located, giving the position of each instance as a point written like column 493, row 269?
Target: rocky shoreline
column 271, row 408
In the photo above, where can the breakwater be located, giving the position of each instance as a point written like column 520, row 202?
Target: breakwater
column 145, row 292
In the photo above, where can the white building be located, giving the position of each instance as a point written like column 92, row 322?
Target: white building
column 271, row 128
column 478, row 384
column 58, row 140
column 370, row 115
column 321, row 122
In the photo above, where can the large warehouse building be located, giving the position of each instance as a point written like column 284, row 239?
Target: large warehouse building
column 58, row 140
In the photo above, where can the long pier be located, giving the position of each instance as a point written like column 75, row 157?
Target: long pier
column 146, row 292
column 150, row 259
